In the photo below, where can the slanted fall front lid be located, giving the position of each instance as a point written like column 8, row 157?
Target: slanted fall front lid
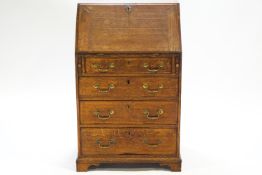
column 128, row 28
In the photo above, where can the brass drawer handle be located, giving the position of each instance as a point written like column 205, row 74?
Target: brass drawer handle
column 104, row 117
column 157, row 143
column 146, row 87
column 105, row 145
column 102, row 69
column 153, row 69
column 153, row 117
column 104, row 90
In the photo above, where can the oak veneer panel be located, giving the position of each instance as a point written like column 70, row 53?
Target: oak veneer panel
column 128, row 28
column 127, row 87
column 128, row 112
column 128, row 141
column 120, row 65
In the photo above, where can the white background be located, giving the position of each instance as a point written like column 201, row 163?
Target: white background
column 221, row 130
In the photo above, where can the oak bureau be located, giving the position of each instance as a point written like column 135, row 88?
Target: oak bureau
column 128, row 80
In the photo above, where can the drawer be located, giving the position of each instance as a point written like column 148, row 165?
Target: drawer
column 128, row 141
column 127, row 65
column 127, row 87
column 122, row 112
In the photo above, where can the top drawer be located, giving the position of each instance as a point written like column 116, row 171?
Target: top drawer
column 127, row 65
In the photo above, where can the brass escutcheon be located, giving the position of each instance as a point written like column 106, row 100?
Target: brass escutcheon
column 105, row 145
column 102, row 69
column 98, row 114
column 153, row 69
column 153, row 117
column 146, row 87
column 104, row 90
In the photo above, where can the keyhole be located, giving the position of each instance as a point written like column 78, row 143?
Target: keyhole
column 128, row 106
column 128, row 81
column 128, row 9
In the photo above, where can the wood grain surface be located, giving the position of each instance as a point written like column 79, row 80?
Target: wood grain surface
column 128, row 112
column 114, row 28
column 128, row 141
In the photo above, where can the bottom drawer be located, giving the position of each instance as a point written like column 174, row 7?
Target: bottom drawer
column 128, row 141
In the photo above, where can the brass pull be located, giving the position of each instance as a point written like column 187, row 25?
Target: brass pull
column 105, row 145
column 104, row 117
column 146, row 87
column 153, row 117
column 104, row 90
column 153, row 69
column 102, row 69
column 152, row 144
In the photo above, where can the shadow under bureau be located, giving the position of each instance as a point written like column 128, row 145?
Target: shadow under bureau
column 128, row 80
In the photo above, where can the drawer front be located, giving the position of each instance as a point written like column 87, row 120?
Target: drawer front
column 127, row 87
column 128, row 141
column 122, row 112
column 127, row 65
